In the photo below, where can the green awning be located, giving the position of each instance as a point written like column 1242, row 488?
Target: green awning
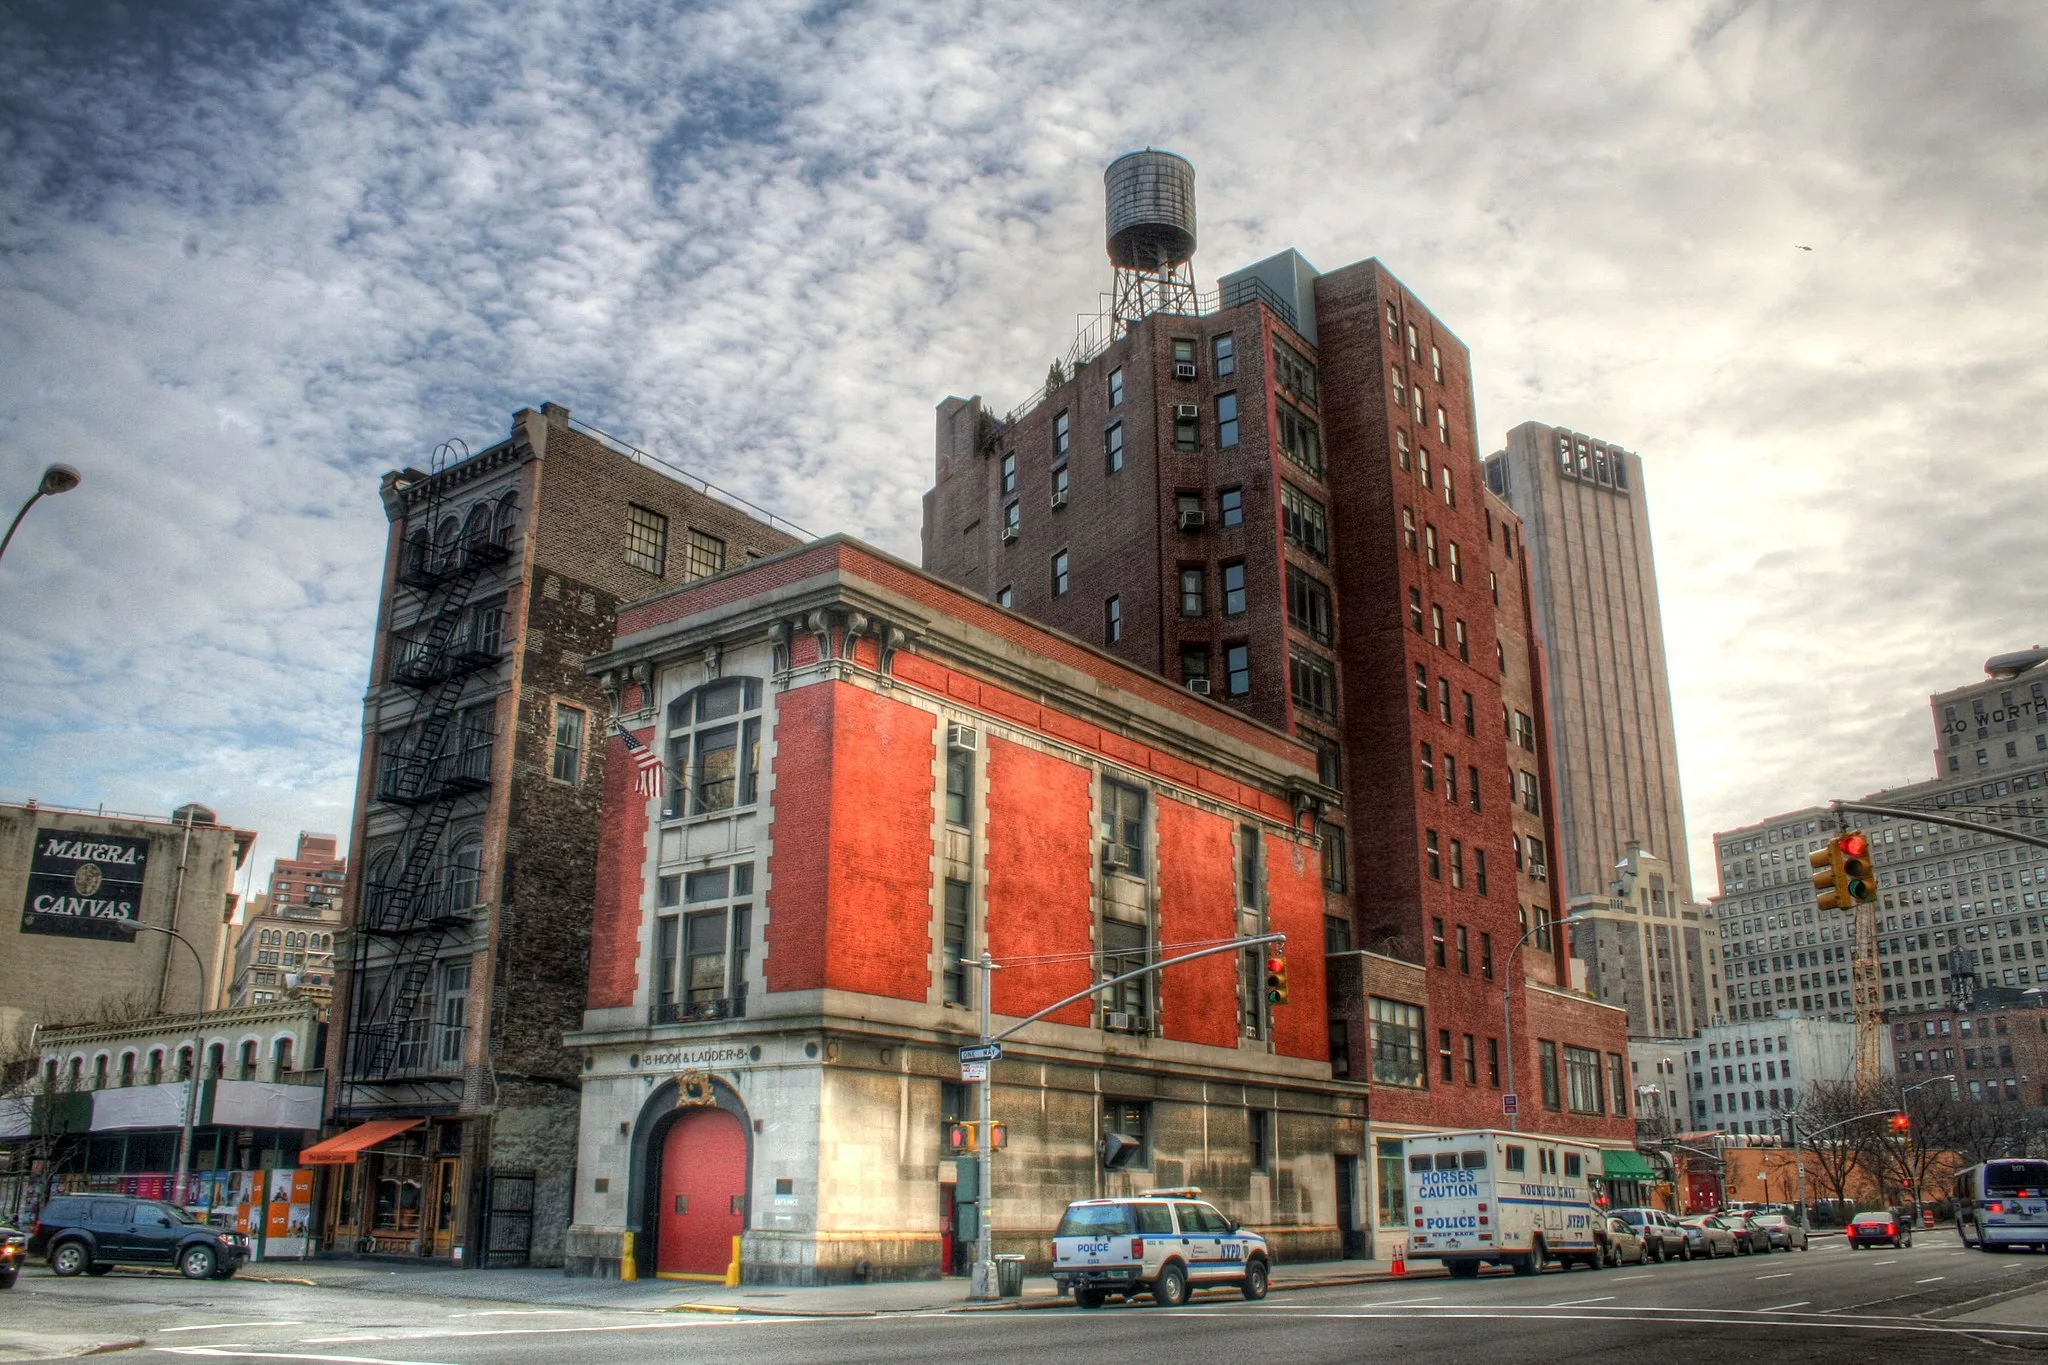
column 1625, row 1166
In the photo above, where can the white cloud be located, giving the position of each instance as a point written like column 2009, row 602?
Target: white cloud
column 250, row 263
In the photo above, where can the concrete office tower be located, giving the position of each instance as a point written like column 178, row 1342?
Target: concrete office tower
column 1595, row 589
column 1649, row 952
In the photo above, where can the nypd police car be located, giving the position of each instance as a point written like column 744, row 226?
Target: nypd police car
column 1166, row 1243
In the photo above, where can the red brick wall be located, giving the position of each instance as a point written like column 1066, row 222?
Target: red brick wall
column 1197, row 903
column 621, row 856
column 878, row 916
column 1294, row 907
column 1581, row 1022
column 799, row 861
column 1040, row 849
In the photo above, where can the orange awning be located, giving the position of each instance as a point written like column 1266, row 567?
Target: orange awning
column 343, row 1148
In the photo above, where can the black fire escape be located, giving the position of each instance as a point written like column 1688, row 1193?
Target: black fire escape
column 409, row 911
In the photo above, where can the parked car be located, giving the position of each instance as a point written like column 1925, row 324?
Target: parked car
column 1785, row 1234
column 1749, row 1236
column 1666, row 1239
column 1710, row 1236
column 1622, row 1244
column 13, row 1251
column 90, row 1234
column 1879, row 1229
column 1130, row 1247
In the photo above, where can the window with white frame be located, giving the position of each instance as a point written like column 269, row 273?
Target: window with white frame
column 702, row 940
column 714, row 747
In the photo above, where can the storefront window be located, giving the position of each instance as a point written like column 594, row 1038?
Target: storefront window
column 1393, row 1182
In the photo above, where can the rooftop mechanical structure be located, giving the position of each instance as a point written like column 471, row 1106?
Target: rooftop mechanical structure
column 1151, row 234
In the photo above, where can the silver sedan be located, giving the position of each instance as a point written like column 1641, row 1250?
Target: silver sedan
column 1710, row 1237
column 1783, row 1232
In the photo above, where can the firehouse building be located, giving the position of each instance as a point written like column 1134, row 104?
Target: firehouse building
column 845, row 780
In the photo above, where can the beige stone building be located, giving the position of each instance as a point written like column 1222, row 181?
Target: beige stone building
column 81, row 881
column 1648, row 950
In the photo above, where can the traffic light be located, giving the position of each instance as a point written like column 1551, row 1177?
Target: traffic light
column 960, row 1137
column 1856, row 867
column 965, row 1136
column 998, row 1136
column 1830, row 880
column 1901, row 1124
column 1276, row 977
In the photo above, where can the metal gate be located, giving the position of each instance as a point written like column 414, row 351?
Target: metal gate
column 508, row 1218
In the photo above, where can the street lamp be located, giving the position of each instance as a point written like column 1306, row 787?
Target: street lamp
column 1507, row 984
column 58, row 478
column 198, row 1055
column 1911, row 1136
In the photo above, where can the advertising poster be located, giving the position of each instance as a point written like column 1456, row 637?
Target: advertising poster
column 288, row 1215
column 85, row 885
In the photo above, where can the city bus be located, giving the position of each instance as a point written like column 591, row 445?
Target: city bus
column 2002, row 1204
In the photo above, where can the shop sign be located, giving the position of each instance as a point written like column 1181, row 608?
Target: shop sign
column 85, row 885
column 705, row 1056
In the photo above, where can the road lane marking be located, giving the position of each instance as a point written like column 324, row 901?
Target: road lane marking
column 1781, row 1275
column 1902, row 1325
column 1931, row 1279
column 1893, row 1261
column 1626, row 1278
column 215, row 1326
column 1798, row 1303
column 1574, row 1303
column 242, row 1354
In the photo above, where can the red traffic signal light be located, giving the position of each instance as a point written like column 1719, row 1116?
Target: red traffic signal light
column 1276, row 978
column 1857, row 871
column 1854, row 844
column 1901, row 1123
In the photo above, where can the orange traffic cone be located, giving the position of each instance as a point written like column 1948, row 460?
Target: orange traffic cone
column 1401, row 1257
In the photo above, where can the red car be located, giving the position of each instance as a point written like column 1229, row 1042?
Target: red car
column 1878, row 1229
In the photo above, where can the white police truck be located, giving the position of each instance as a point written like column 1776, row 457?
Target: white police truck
column 1513, row 1199
column 1166, row 1243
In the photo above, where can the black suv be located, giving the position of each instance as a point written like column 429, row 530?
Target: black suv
column 92, row 1233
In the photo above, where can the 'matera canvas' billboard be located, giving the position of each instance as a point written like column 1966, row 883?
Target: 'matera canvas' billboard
column 85, row 885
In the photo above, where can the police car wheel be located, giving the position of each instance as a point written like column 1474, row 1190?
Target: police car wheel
column 1170, row 1290
column 1254, row 1285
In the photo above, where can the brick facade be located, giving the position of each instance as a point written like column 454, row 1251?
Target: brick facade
column 875, row 680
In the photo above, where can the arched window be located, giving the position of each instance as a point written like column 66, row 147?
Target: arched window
column 447, row 543
column 462, row 876
column 714, row 747
column 50, row 1075
column 127, row 1069
column 185, row 1062
column 217, row 1061
column 283, row 1056
column 508, row 518
column 476, row 528
column 156, row 1066
column 99, row 1072
column 78, row 1073
column 247, row 1070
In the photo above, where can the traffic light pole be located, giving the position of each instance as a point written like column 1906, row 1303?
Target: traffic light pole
column 1937, row 818
column 982, row 1285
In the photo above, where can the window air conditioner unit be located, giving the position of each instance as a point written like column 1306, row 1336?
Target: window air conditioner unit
column 1113, row 858
column 1118, row 1021
column 1194, row 519
column 1540, row 873
column 1009, row 534
column 1183, row 369
column 962, row 737
column 1059, row 499
column 1186, row 412
column 1199, row 686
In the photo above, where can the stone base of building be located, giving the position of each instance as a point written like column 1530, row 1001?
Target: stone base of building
column 593, row 1253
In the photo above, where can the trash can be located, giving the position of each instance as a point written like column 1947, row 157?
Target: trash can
column 1009, row 1277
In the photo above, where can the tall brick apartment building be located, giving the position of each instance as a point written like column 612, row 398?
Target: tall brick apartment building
column 474, row 837
column 874, row 776
column 1276, row 499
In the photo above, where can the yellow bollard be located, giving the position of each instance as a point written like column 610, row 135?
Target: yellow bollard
column 628, row 1269
column 732, row 1271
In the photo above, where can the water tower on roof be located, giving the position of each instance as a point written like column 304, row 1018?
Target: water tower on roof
column 1151, row 234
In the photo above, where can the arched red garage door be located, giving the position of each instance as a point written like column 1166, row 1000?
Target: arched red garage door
column 703, row 1194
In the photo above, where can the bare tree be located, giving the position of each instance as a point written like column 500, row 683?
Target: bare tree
column 1842, row 1150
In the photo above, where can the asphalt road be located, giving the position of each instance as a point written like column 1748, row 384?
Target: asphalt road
column 1932, row 1301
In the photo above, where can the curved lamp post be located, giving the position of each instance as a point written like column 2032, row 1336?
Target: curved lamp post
column 1507, row 984
column 198, row 1061
column 58, row 478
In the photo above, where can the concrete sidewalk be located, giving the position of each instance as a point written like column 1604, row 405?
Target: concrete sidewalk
column 553, row 1288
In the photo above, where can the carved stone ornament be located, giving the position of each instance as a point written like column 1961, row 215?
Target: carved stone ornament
column 693, row 1090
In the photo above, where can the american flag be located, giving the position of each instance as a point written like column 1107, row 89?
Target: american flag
column 647, row 768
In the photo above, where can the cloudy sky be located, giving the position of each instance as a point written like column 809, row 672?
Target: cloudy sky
column 251, row 255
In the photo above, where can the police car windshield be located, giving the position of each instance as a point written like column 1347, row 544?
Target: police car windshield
column 1094, row 1220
